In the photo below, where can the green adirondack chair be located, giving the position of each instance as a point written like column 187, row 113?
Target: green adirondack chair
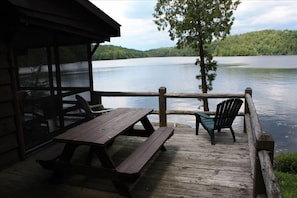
column 225, row 114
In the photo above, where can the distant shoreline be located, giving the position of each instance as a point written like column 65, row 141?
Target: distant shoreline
column 259, row 43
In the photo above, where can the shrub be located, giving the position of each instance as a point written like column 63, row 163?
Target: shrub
column 286, row 162
column 288, row 183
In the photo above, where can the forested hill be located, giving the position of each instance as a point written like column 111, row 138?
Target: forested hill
column 110, row 52
column 266, row 42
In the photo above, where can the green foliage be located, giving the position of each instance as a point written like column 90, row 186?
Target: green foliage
column 288, row 183
column 265, row 42
column 109, row 52
column 210, row 69
column 170, row 51
column 191, row 22
column 286, row 162
column 285, row 165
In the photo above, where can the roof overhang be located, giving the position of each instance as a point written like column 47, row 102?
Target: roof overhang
column 48, row 22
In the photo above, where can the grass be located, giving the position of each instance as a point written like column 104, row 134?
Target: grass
column 288, row 184
column 286, row 173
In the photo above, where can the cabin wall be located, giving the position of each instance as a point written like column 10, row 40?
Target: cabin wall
column 10, row 130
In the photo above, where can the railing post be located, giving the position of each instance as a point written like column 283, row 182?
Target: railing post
column 96, row 98
column 249, row 91
column 263, row 142
column 162, row 107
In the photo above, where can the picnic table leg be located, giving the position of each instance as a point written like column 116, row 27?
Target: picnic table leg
column 65, row 157
column 122, row 188
column 103, row 157
column 90, row 156
column 149, row 129
column 107, row 162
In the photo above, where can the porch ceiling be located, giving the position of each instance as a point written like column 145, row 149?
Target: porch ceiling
column 35, row 23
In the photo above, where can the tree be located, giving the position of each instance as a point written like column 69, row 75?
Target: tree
column 195, row 24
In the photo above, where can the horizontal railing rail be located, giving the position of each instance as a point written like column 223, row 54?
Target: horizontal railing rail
column 96, row 97
column 261, row 145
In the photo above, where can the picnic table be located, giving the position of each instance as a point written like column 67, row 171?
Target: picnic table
column 99, row 134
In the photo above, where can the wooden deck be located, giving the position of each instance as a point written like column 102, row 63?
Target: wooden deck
column 191, row 167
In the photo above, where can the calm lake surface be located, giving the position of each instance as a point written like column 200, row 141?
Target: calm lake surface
column 273, row 80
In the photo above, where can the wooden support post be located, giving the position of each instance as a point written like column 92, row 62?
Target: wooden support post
column 264, row 142
column 270, row 180
column 50, row 70
column 162, row 107
column 7, row 64
column 249, row 91
column 57, row 63
column 96, row 98
column 90, row 67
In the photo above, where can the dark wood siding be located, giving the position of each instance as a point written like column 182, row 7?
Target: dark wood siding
column 9, row 132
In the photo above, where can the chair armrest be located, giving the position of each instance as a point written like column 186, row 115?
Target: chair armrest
column 100, row 106
column 201, row 114
column 101, row 111
column 38, row 114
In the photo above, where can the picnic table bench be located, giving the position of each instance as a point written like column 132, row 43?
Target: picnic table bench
column 100, row 133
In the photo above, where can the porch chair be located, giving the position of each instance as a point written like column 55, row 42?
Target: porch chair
column 225, row 114
column 47, row 113
column 91, row 111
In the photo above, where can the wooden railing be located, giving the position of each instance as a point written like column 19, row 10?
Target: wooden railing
column 261, row 145
column 261, row 153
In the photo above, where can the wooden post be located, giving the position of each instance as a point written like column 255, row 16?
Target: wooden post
column 162, row 107
column 90, row 67
column 264, row 142
column 50, row 70
column 59, row 82
column 270, row 180
column 9, row 64
column 249, row 91
column 96, row 98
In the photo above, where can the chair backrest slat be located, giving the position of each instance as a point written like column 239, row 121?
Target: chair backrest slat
column 226, row 113
column 85, row 106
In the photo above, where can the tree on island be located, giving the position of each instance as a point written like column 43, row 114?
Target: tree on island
column 195, row 24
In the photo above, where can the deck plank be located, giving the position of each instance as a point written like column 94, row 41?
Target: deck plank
column 191, row 167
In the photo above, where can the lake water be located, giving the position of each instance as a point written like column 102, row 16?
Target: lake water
column 272, row 78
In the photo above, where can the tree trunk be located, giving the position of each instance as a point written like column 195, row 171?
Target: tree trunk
column 203, row 75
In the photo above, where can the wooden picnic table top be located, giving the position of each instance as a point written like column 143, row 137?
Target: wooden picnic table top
column 103, row 129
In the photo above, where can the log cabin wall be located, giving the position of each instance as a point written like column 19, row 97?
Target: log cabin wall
column 10, row 146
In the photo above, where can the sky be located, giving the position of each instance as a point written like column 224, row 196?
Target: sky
column 138, row 31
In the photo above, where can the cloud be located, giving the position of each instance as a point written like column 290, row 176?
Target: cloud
column 115, row 9
column 142, row 34
column 254, row 15
column 138, row 30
